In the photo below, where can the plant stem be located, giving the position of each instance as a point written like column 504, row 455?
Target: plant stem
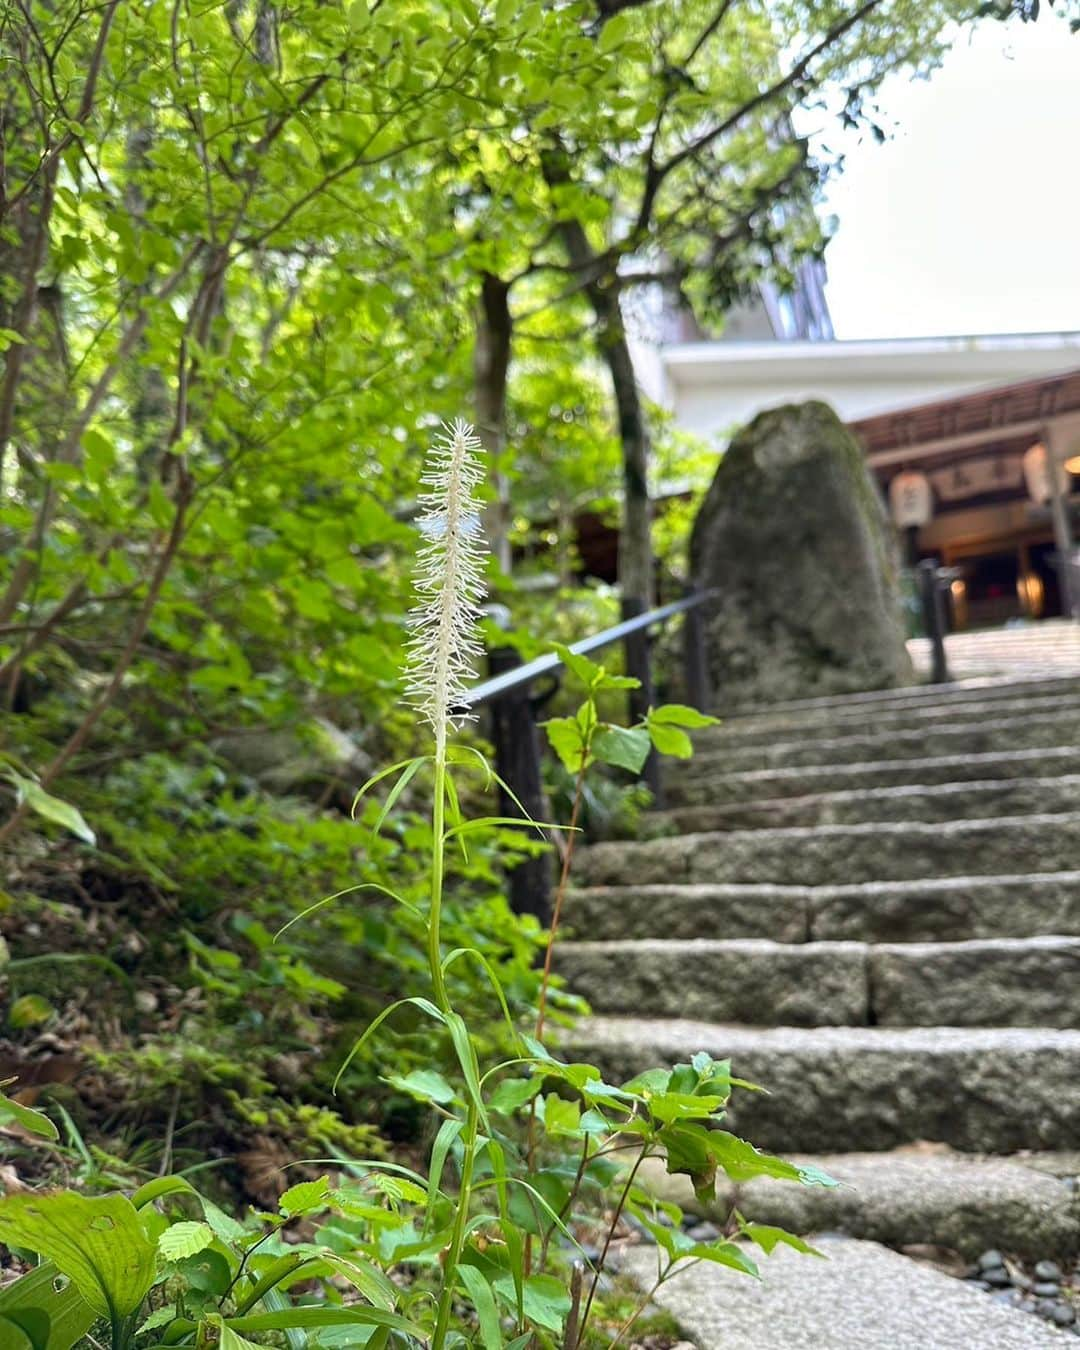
column 438, row 851
column 560, row 894
column 610, row 1234
column 457, row 1238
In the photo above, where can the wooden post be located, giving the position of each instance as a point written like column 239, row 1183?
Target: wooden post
column 639, row 665
column 515, row 737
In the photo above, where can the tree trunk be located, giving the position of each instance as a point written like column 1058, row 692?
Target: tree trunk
column 491, row 364
column 635, row 538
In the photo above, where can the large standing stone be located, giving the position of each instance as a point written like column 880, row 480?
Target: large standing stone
column 794, row 538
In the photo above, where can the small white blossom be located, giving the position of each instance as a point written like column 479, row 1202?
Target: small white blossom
column 444, row 647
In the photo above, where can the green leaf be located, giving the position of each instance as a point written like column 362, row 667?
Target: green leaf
column 313, row 1318
column 47, row 1309
column 671, row 741
column 487, row 1314
column 614, row 32
column 625, row 747
column 680, row 715
column 512, row 1094
column 769, row 1238
column 99, row 1243
column 31, row 1010
column 742, row 1161
column 426, row 1085
column 33, row 1121
column 308, row 1197
column 565, row 737
column 562, row 1117
column 545, row 1299
column 444, row 1141
column 588, row 672
column 50, row 807
column 185, row 1239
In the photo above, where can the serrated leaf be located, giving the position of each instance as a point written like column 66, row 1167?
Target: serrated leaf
column 625, row 747
column 768, row 1238
column 184, row 1239
column 565, row 737
column 305, row 1198
column 98, row 1242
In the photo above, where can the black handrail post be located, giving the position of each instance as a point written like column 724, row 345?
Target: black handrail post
column 636, row 647
column 695, row 665
column 515, row 736
column 933, row 609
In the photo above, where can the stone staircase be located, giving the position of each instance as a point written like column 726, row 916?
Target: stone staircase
column 871, row 905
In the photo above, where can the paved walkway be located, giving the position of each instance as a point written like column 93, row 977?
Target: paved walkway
column 862, row 1297
column 1035, row 650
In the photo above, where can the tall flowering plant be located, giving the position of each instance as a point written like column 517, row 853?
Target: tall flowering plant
column 547, row 1154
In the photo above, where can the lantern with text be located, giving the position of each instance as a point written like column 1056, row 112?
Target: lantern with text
column 911, row 500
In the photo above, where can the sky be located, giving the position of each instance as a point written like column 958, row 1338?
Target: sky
column 968, row 219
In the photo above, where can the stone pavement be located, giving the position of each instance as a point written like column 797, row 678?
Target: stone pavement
column 863, row 1297
column 1046, row 648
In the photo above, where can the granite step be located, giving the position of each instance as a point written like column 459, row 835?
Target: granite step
column 918, row 801
column 841, row 854
column 948, row 909
column 718, row 788
column 758, row 730
column 1027, row 1206
column 861, row 1297
column 860, row 1089
column 977, row 737
column 957, row 692
column 1020, row 982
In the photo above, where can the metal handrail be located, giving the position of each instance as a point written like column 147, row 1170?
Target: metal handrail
column 499, row 685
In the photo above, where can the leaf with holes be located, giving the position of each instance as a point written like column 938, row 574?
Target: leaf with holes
column 45, row 1309
column 100, row 1243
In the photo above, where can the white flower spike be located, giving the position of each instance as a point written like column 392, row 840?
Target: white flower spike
column 445, row 646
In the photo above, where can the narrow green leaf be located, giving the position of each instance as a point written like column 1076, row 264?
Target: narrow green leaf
column 487, row 1314
column 51, row 808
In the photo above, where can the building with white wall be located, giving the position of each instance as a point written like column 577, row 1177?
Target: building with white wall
column 715, row 387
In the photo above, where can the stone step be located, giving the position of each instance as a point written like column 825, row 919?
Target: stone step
column 861, row 1297
column 1020, row 982
column 857, row 747
column 942, row 909
column 841, row 854
column 858, row 1089
column 957, row 692
column 925, row 1194
column 709, row 789
column 745, row 731
column 920, row 801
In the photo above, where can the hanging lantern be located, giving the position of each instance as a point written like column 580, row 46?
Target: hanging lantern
column 911, row 500
column 1037, row 474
